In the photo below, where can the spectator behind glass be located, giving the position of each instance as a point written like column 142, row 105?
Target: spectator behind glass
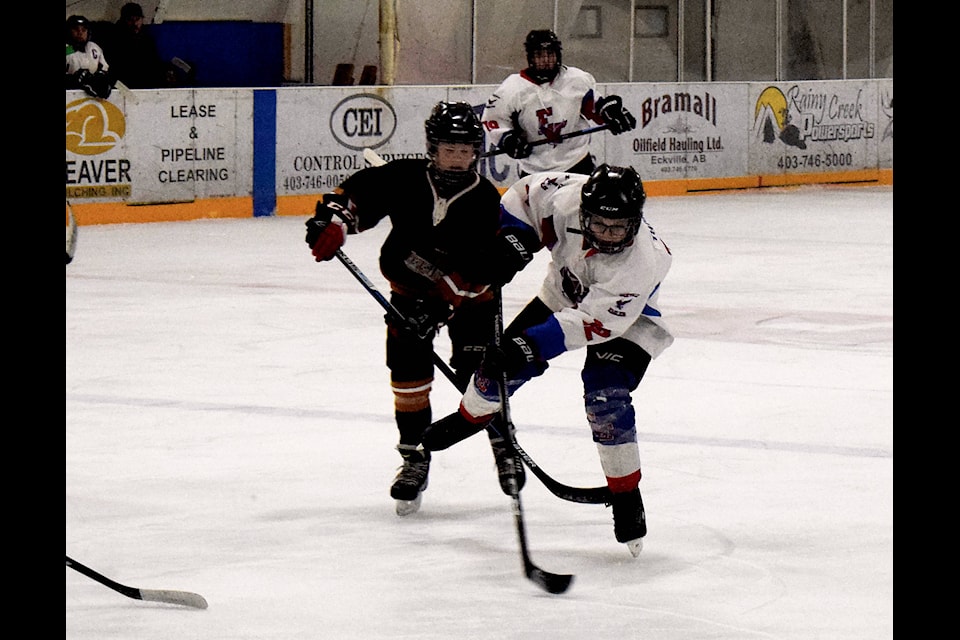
column 87, row 66
column 133, row 51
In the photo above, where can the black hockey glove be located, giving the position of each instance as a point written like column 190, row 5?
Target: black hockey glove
column 98, row 85
column 515, row 145
column 424, row 317
column 81, row 78
column 514, row 251
column 615, row 115
column 517, row 357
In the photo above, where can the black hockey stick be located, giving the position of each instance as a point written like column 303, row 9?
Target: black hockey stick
column 592, row 495
column 566, row 136
column 186, row 598
column 549, row 582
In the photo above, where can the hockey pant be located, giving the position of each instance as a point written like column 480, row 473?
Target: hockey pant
column 410, row 361
column 612, row 370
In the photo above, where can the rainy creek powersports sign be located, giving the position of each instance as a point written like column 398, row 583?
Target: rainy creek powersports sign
column 357, row 122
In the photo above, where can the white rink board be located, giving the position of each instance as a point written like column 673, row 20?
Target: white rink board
column 814, row 127
column 186, row 145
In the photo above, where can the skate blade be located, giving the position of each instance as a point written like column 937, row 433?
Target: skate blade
column 635, row 547
column 406, row 507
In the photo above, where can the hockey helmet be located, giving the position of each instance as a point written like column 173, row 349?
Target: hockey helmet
column 540, row 40
column 616, row 195
column 454, row 122
column 77, row 42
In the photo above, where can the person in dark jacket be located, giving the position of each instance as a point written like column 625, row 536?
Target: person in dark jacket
column 132, row 50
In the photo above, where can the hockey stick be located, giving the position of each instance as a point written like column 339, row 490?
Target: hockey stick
column 186, row 598
column 373, row 157
column 392, row 310
column 592, row 495
column 566, row 136
column 549, row 582
column 71, row 233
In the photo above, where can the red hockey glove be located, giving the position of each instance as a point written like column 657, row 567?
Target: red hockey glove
column 329, row 238
column 454, row 289
column 324, row 234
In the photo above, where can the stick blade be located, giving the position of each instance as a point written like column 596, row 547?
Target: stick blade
column 549, row 582
column 185, row 598
column 373, row 157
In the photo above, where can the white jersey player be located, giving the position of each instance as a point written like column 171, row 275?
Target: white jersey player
column 601, row 292
column 546, row 101
column 87, row 67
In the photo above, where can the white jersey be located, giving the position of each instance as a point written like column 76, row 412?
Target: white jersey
column 541, row 111
column 91, row 59
column 595, row 296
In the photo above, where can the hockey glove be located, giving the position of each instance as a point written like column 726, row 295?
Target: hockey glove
column 324, row 234
column 515, row 145
column 615, row 115
column 425, row 316
column 455, row 290
column 96, row 84
column 81, row 79
column 517, row 357
column 515, row 249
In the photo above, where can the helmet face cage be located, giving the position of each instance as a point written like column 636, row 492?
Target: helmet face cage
column 612, row 193
column 454, row 122
column 540, row 39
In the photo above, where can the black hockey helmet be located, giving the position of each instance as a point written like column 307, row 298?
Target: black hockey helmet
column 76, row 21
column 538, row 40
column 612, row 193
column 454, row 122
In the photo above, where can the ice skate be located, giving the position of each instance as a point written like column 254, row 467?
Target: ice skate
column 629, row 520
column 509, row 465
column 411, row 480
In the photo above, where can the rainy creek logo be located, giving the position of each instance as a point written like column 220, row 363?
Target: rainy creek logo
column 823, row 117
column 363, row 120
column 94, row 127
column 773, row 116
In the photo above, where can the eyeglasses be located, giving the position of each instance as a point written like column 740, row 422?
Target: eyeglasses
column 599, row 228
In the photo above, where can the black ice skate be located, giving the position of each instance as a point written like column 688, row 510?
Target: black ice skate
column 411, row 480
column 509, row 465
column 629, row 520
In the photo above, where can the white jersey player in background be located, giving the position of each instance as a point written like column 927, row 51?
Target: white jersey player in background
column 601, row 292
column 546, row 101
column 86, row 66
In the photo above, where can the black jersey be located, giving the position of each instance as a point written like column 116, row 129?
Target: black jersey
column 452, row 235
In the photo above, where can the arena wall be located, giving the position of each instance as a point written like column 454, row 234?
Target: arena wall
column 184, row 154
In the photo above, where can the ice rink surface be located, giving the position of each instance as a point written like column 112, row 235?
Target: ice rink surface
column 229, row 431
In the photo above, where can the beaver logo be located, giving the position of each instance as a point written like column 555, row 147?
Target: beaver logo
column 93, row 126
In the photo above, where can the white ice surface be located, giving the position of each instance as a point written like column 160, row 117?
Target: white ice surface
column 229, row 431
